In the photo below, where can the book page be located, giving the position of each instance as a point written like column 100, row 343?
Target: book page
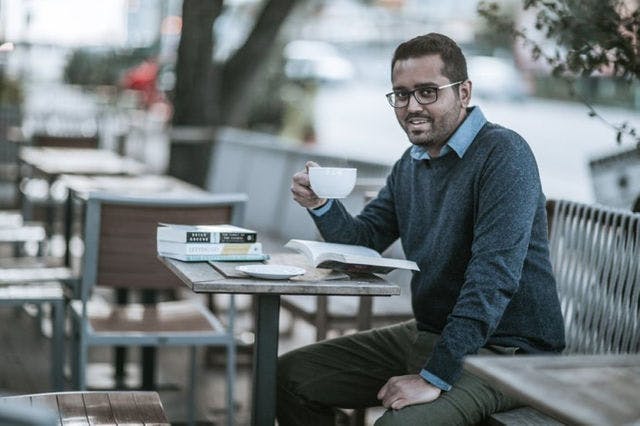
column 316, row 248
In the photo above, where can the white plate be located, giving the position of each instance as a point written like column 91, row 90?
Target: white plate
column 271, row 272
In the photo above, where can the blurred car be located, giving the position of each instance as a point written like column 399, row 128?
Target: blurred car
column 316, row 60
column 496, row 78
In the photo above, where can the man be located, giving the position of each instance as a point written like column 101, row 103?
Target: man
column 467, row 204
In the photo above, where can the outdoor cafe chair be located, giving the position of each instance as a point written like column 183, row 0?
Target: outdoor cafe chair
column 33, row 281
column 120, row 252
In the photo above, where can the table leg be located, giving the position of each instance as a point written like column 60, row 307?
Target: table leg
column 265, row 358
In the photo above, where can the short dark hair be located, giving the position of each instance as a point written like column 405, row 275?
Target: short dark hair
column 455, row 65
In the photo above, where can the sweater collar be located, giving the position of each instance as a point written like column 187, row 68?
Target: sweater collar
column 461, row 139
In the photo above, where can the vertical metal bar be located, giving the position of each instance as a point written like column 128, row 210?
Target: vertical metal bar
column 148, row 367
column 68, row 224
column 120, row 352
column 231, row 361
column 265, row 359
column 57, row 345
column 191, row 392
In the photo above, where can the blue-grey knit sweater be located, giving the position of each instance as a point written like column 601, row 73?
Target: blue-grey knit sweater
column 477, row 228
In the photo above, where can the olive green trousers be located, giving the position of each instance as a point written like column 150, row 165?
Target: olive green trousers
column 348, row 372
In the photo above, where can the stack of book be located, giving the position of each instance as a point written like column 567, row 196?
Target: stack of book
column 198, row 243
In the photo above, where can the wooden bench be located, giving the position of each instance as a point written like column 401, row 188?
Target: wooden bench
column 595, row 252
column 83, row 408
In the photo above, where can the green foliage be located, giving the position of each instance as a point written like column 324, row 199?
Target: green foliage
column 102, row 67
column 590, row 35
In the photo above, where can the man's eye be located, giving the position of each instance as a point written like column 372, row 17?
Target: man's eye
column 427, row 92
column 402, row 95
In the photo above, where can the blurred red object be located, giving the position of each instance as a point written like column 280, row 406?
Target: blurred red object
column 143, row 79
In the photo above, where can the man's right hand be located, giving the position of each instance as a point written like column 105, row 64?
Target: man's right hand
column 301, row 189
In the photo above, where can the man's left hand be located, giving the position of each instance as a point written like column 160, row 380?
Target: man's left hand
column 401, row 391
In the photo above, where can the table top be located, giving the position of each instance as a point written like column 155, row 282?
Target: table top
column 582, row 389
column 201, row 277
column 114, row 407
column 85, row 161
column 158, row 185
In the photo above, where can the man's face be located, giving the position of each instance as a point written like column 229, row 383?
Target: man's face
column 429, row 125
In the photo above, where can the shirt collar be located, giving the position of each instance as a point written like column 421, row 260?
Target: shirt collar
column 461, row 139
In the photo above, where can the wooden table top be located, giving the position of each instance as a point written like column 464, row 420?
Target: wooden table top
column 582, row 389
column 130, row 185
column 96, row 408
column 85, row 161
column 201, row 277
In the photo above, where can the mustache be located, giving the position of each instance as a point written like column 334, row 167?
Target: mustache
column 418, row 115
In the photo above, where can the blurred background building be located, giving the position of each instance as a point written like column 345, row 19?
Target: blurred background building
column 109, row 68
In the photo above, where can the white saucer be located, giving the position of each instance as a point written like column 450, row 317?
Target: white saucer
column 271, row 272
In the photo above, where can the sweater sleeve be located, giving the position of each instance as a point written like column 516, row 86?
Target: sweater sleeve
column 376, row 226
column 507, row 195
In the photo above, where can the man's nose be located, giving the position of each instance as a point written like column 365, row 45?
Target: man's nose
column 414, row 105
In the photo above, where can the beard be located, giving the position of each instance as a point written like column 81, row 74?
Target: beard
column 431, row 132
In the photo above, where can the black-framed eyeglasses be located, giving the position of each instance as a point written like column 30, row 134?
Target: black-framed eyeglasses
column 424, row 95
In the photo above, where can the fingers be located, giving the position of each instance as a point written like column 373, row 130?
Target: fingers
column 301, row 188
column 388, row 393
column 399, row 403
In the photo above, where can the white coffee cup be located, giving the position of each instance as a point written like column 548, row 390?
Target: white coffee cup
column 332, row 182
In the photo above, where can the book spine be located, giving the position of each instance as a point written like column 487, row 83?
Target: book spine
column 210, row 237
column 215, row 257
column 223, row 248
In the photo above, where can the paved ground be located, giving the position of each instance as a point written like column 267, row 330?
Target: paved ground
column 24, row 368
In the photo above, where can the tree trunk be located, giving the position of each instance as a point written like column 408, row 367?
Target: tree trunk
column 207, row 96
column 241, row 69
column 195, row 106
column 194, row 102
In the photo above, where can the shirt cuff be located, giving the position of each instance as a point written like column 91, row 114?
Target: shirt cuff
column 322, row 210
column 435, row 380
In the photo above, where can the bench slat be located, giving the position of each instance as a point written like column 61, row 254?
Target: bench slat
column 525, row 416
column 71, row 409
column 98, row 409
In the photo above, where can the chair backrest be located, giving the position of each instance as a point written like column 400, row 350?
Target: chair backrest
column 44, row 140
column 120, row 236
column 595, row 252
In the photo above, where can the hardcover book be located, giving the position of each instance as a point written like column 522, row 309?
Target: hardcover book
column 254, row 257
column 348, row 258
column 205, row 234
column 205, row 249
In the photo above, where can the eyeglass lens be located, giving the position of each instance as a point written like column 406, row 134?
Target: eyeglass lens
column 424, row 95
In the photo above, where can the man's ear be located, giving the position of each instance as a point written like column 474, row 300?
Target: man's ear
column 465, row 93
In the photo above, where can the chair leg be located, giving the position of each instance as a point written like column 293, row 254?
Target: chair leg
column 191, row 391
column 73, row 355
column 57, row 345
column 80, row 355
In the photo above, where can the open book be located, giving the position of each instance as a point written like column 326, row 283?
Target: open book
column 348, row 258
